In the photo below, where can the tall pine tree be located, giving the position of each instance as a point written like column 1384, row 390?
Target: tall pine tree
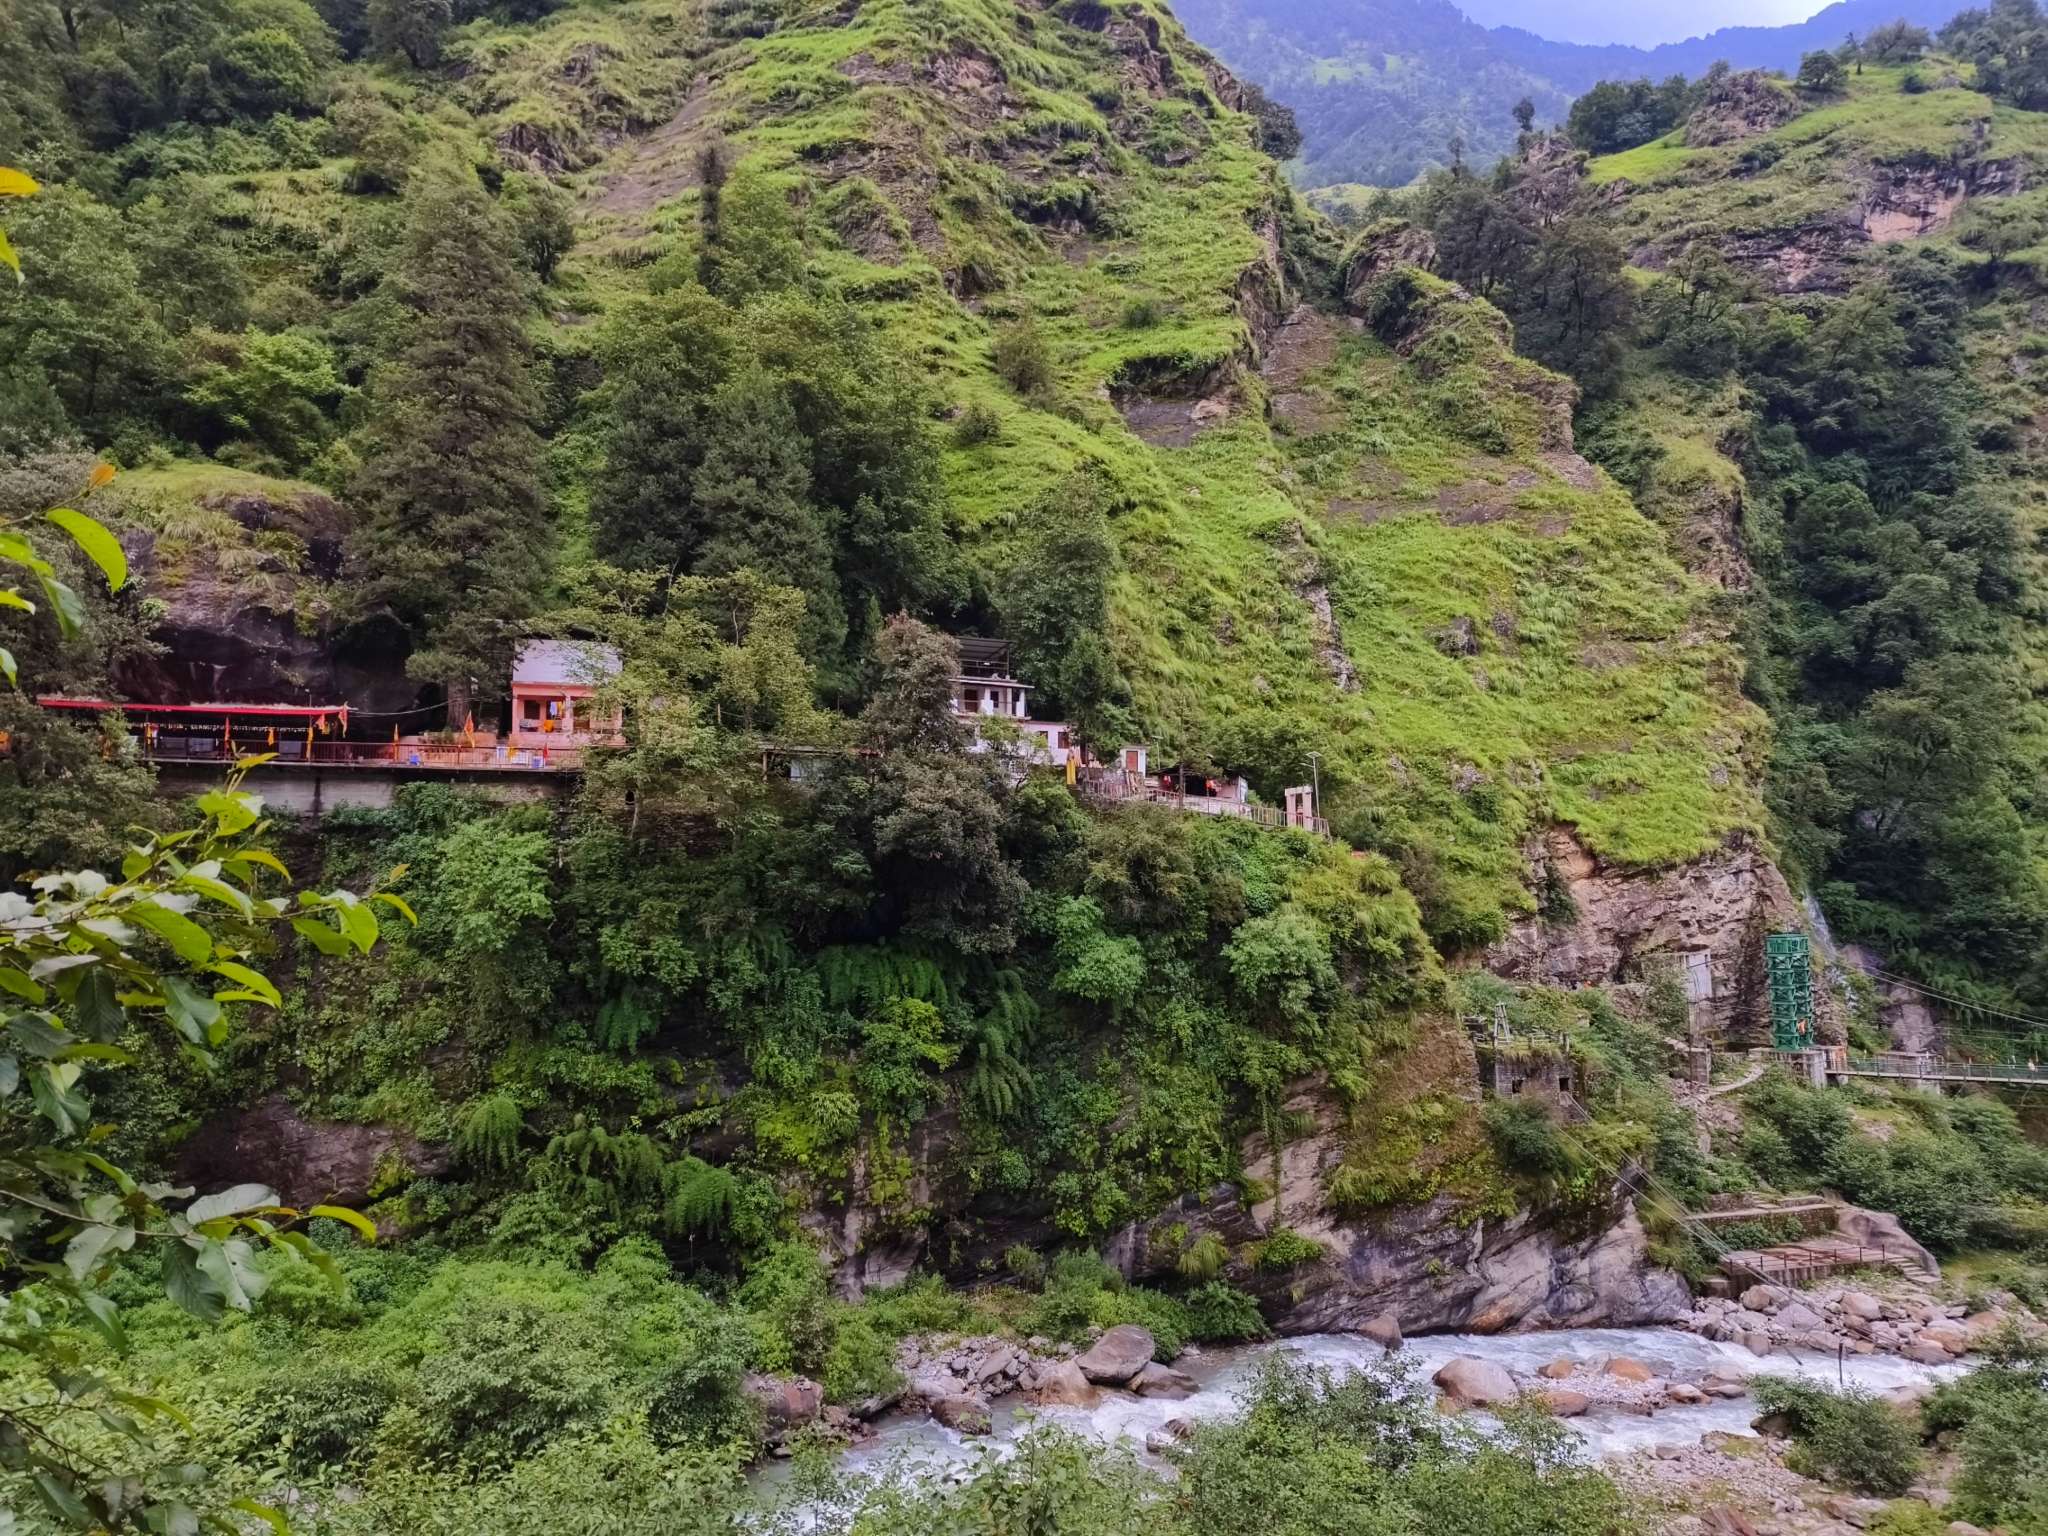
column 455, row 538
column 755, row 509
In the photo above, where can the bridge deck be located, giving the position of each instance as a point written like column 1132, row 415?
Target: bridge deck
column 1915, row 1069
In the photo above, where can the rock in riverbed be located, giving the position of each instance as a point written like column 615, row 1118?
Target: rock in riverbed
column 1117, row 1356
column 1157, row 1380
column 963, row 1412
column 1469, row 1382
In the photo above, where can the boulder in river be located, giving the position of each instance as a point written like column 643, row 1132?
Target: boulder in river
column 1157, row 1380
column 1798, row 1317
column 1117, row 1356
column 1384, row 1330
column 1557, row 1370
column 785, row 1402
column 1062, row 1383
column 1564, row 1403
column 1951, row 1336
column 1001, row 1361
column 1469, row 1382
column 1626, row 1368
column 962, row 1412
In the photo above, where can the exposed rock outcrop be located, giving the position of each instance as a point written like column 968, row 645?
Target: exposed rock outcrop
column 1550, row 180
column 1431, row 1270
column 1820, row 253
column 865, row 1240
column 242, row 582
column 1624, row 917
column 1911, row 1024
column 307, row 1161
column 1438, row 327
column 1739, row 105
column 1883, row 1230
column 1304, row 342
column 1379, row 250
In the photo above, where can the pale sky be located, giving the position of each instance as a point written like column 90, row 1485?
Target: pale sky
column 1644, row 23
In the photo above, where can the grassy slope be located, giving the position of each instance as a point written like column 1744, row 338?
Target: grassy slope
column 1808, row 163
column 1597, row 696
column 1820, row 166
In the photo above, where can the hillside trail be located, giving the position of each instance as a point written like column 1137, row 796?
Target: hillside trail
column 1739, row 1084
column 659, row 167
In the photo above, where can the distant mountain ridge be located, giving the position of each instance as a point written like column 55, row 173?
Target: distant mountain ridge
column 1382, row 86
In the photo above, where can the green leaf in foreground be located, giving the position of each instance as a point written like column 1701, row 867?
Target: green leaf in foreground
column 99, row 546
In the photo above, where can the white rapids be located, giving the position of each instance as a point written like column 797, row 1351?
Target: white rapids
column 911, row 1443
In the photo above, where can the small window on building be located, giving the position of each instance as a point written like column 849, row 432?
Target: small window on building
column 532, row 711
column 1564, row 1084
column 1516, row 1086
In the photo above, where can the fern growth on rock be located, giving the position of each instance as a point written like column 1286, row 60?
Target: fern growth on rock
column 488, row 1135
column 590, row 1165
column 700, row 1198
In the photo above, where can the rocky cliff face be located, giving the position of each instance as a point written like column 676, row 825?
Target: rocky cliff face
column 1908, row 1021
column 1430, row 1269
column 1623, row 918
column 1819, row 252
column 1428, row 1265
column 1490, row 1277
column 240, row 582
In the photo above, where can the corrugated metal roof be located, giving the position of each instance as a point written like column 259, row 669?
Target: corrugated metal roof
column 583, row 662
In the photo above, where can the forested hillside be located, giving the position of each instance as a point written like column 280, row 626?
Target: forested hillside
column 780, row 348
column 1808, row 363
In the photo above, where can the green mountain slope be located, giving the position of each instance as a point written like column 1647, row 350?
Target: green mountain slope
column 1892, row 230
column 771, row 342
column 1284, row 583
column 1288, row 576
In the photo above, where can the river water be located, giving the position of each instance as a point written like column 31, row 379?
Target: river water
column 908, row 1442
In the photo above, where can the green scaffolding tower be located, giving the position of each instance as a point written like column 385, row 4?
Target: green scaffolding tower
column 1788, row 972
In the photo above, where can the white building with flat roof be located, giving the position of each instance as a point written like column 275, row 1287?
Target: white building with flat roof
column 985, row 690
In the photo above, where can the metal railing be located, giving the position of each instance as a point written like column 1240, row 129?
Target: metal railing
column 499, row 757
column 1939, row 1069
column 1800, row 1261
column 1119, row 787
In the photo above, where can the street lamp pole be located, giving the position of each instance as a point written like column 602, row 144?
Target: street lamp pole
column 1315, row 793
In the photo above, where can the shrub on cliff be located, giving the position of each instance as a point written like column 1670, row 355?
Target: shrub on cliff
column 1222, row 1314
